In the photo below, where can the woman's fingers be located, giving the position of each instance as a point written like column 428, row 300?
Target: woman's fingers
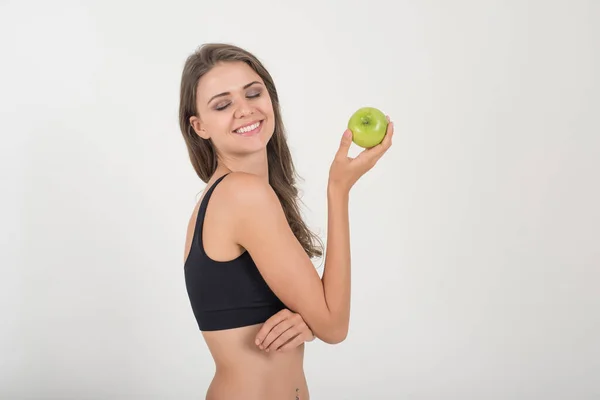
column 270, row 324
column 372, row 155
column 281, row 329
column 345, row 144
column 275, row 333
column 292, row 344
column 284, row 338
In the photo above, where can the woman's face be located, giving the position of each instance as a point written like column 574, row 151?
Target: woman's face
column 234, row 109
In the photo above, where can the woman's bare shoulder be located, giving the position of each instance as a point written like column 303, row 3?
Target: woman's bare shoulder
column 241, row 191
column 243, row 183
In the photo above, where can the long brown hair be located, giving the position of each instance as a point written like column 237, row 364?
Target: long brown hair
column 282, row 173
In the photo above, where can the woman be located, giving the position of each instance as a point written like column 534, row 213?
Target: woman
column 247, row 253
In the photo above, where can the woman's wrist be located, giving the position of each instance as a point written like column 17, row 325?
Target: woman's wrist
column 337, row 190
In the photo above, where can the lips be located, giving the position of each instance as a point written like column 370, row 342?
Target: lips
column 249, row 129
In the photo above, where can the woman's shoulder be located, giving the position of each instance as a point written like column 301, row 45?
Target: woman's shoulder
column 245, row 201
column 242, row 188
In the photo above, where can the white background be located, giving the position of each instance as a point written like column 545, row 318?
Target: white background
column 476, row 240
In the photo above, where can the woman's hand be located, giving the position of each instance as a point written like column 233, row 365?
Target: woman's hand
column 345, row 171
column 283, row 331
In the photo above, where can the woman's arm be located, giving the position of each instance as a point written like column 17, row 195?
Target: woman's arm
column 264, row 232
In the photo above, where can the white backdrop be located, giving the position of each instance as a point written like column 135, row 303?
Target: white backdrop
column 476, row 240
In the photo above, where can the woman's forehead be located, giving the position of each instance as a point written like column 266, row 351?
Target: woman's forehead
column 226, row 77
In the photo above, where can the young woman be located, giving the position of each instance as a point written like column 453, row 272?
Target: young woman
column 247, row 253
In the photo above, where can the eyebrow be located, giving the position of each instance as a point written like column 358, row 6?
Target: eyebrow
column 227, row 93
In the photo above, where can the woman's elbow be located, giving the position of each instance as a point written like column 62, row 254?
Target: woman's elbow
column 335, row 336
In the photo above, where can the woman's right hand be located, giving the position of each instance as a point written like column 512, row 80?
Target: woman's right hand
column 345, row 171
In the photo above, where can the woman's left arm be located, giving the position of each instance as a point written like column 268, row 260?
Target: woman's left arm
column 285, row 330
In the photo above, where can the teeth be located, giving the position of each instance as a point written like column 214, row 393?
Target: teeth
column 248, row 128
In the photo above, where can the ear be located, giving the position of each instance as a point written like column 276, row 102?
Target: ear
column 198, row 128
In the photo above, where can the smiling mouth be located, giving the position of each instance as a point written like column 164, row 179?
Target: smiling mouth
column 249, row 130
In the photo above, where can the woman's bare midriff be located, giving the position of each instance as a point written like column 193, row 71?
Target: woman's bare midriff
column 243, row 371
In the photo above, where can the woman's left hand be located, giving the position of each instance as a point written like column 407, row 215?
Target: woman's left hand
column 283, row 331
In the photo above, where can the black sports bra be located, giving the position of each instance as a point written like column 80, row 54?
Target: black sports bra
column 225, row 294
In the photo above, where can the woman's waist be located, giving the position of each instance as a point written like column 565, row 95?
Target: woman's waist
column 223, row 387
column 259, row 379
column 245, row 371
column 256, row 362
column 234, row 351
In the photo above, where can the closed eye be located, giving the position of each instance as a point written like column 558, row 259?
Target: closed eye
column 221, row 107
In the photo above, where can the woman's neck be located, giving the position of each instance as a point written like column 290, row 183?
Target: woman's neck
column 256, row 164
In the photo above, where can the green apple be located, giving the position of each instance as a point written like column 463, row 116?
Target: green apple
column 368, row 126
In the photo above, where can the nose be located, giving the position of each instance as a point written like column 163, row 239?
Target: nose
column 244, row 109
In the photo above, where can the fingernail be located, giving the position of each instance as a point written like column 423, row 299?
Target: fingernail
column 347, row 133
column 257, row 342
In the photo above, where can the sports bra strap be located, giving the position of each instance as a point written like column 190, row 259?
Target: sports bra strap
column 203, row 206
